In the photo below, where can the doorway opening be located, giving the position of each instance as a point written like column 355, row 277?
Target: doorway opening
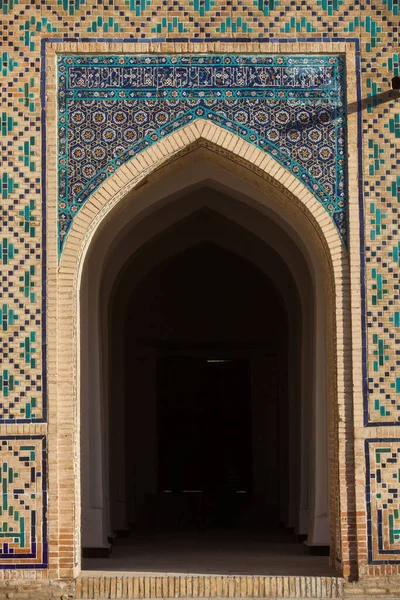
column 205, row 431
column 204, row 437
column 208, row 453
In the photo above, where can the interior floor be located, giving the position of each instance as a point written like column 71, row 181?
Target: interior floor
column 218, row 553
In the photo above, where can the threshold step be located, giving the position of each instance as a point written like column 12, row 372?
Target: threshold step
column 134, row 586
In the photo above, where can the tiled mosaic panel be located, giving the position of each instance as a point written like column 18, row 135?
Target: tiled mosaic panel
column 383, row 499
column 110, row 108
column 21, row 381
column 24, row 24
column 23, row 502
column 20, row 320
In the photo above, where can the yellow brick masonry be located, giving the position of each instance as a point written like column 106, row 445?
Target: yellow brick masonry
column 126, row 587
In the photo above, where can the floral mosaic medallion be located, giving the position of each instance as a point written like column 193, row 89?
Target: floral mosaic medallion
column 113, row 107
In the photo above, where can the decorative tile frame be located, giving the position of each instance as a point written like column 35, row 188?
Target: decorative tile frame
column 95, row 209
column 382, row 490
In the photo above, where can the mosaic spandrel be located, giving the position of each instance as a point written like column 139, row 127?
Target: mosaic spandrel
column 112, row 107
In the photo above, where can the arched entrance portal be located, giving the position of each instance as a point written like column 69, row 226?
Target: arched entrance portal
column 201, row 214
column 266, row 201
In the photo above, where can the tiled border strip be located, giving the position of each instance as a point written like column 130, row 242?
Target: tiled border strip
column 207, row 586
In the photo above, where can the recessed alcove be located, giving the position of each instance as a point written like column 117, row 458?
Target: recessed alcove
column 206, row 332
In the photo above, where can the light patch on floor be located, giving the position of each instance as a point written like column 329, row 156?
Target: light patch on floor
column 206, row 553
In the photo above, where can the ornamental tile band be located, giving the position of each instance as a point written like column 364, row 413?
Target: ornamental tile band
column 113, row 107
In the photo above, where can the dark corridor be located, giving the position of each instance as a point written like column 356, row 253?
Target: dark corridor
column 205, row 384
column 204, row 413
column 204, row 433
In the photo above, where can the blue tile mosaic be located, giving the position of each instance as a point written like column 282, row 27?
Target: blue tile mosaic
column 113, row 107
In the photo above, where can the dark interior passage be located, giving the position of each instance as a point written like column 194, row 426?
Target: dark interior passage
column 204, row 437
column 205, row 368
column 204, row 425
column 206, row 382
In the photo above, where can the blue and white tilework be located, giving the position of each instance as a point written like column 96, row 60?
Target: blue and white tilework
column 113, row 107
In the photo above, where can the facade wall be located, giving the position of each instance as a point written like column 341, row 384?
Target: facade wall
column 38, row 437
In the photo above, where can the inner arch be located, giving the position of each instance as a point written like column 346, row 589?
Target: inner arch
column 185, row 204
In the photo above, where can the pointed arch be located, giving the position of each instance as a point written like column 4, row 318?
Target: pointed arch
column 222, row 141
column 296, row 203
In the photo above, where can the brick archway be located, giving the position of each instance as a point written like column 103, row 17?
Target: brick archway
column 293, row 199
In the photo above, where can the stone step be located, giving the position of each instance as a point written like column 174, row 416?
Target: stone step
column 125, row 586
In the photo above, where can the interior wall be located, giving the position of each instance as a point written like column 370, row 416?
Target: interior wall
column 203, row 294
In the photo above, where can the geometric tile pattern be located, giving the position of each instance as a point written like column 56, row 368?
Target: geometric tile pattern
column 21, row 378
column 113, row 107
column 383, row 499
column 23, row 506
